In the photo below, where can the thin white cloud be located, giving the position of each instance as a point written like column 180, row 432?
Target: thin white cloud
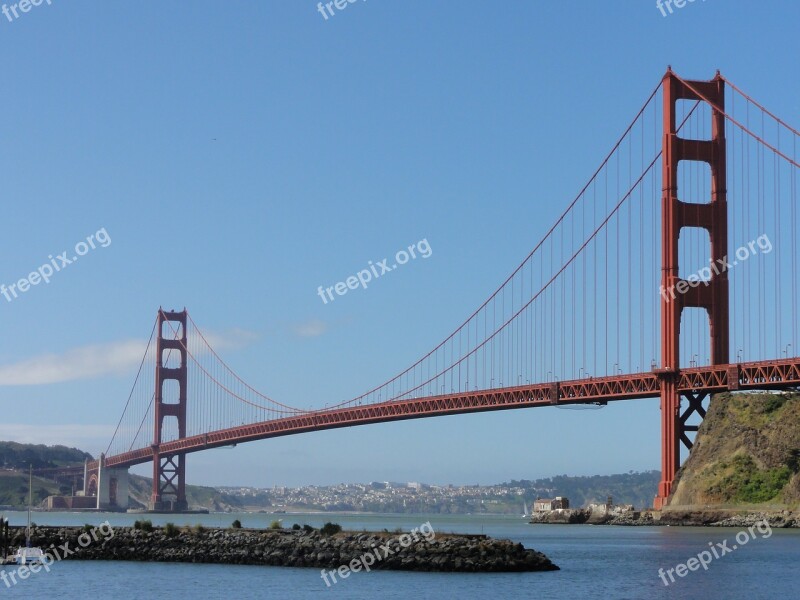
column 313, row 328
column 86, row 362
column 99, row 360
column 232, row 339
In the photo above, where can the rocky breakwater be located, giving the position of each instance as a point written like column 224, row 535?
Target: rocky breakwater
column 290, row 548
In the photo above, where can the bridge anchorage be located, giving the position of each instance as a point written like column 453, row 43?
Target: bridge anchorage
column 556, row 313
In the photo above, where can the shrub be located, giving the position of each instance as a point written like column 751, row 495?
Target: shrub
column 171, row 530
column 793, row 461
column 330, row 528
column 747, row 483
column 295, row 527
column 237, row 524
column 308, row 528
column 144, row 525
column 774, row 403
column 275, row 525
column 87, row 528
column 199, row 529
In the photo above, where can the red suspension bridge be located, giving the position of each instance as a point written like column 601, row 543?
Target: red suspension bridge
column 599, row 310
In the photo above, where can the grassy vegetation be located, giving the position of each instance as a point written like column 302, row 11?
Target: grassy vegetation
column 757, row 410
column 745, row 482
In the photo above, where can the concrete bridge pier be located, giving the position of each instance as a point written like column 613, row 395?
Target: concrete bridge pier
column 110, row 487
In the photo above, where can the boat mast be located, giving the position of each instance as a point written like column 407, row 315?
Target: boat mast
column 30, row 501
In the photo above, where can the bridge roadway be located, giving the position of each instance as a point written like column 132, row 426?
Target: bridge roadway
column 775, row 374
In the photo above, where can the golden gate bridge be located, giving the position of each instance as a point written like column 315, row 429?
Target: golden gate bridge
column 673, row 283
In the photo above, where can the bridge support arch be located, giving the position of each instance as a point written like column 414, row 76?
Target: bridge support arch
column 676, row 214
column 169, row 472
column 108, row 488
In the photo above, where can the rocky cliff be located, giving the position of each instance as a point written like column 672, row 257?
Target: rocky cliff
column 746, row 455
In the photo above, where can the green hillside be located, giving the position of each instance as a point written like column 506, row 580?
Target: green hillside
column 14, row 489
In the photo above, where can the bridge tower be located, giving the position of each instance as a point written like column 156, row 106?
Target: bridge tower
column 169, row 472
column 676, row 214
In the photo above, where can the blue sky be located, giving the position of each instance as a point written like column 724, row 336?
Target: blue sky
column 240, row 155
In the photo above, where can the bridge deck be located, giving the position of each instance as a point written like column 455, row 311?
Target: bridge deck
column 774, row 374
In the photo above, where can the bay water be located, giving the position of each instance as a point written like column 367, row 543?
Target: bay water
column 596, row 562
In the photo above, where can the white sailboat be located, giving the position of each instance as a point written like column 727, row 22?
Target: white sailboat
column 525, row 514
column 25, row 554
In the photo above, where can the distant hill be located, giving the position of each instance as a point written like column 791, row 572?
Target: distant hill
column 15, row 459
column 14, row 492
column 197, row 496
column 39, row 456
column 626, row 488
column 747, row 453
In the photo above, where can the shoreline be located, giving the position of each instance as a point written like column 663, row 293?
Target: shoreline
column 677, row 517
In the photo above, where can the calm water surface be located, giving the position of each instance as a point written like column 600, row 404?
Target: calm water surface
column 596, row 562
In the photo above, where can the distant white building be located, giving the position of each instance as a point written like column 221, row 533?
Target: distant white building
column 546, row 505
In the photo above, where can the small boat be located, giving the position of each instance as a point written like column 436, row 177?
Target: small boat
column 525, row 514
column 27, row 555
